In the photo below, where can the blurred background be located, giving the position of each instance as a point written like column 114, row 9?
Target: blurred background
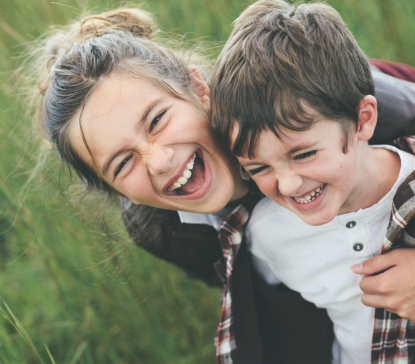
column 69, row 293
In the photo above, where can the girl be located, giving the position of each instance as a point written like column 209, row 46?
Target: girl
column 132, row 119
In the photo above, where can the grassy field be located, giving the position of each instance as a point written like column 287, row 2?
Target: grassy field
column 70, row 290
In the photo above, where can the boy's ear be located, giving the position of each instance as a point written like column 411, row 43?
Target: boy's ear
column 368, row 117
column 200, row 87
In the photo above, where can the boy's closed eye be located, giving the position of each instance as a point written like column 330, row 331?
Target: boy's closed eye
column 298, row 157
column 306, row 155
column 254, row 171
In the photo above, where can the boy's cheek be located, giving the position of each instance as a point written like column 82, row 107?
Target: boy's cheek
column 268, row 187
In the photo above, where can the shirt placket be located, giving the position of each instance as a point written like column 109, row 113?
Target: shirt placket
column 358, row 243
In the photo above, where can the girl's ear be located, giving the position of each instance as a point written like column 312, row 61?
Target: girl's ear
column 200, row 87
column 368, row 117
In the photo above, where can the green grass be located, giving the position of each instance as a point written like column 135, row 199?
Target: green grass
column 74, row 292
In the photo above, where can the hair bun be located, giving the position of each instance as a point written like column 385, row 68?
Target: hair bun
column 136, row 21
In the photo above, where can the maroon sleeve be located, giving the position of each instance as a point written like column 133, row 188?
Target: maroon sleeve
column 398, row 70
column 396, row 101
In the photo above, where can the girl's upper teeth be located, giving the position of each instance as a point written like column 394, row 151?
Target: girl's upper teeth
column 187, row 173
column 311, row 196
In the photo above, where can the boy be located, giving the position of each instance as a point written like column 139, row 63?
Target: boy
column 292, row 93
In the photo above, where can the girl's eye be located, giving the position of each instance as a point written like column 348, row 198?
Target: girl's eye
column 155, row 121
column 305, row 155
column 121, row 165
column 257, row 170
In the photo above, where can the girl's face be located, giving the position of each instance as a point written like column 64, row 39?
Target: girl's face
column 155, row 149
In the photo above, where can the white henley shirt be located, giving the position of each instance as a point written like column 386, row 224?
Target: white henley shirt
column 315, row 260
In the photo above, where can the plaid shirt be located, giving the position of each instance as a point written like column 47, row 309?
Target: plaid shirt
column 393, row 337
column 230, row 236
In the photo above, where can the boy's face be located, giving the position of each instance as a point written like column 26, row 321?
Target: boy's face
column 307, row 172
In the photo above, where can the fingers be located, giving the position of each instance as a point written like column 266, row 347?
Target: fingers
column 391, row 304
column 373, row 300
column 389, row 282
column 379, row 292
column 375, row 285
column 374, row 265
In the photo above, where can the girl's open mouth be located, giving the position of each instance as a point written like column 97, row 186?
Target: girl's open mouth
column 192, row 177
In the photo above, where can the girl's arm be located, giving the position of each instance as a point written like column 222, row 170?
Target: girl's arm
column 396, row 107
column 389, row 279
column 192, row 247
column 389, row 282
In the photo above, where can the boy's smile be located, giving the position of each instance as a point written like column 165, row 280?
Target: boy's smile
column 308, row 173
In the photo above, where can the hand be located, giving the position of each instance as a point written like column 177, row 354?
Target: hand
column 394, row 288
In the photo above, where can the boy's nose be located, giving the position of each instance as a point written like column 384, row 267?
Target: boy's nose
column 159, row 159
column 289, row 184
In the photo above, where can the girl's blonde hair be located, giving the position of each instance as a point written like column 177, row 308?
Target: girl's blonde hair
column 87, row 52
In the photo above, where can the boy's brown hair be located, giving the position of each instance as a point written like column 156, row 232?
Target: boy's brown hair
column 279, row 61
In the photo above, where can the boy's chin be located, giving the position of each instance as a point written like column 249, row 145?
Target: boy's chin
column 315, row 218
column 316, row 221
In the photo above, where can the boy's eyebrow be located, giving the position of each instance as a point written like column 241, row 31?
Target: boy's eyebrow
column 299, row 147
column 143, row 118
column 294, row 149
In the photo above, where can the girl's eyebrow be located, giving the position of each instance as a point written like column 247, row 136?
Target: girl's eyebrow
column 150, row 107
column 143, row 118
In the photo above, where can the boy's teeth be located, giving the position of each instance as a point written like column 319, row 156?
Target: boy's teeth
column 311, row 196
column 186, row 175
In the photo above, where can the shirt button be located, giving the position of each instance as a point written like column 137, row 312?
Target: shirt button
column 351, row 224
column 358, row 247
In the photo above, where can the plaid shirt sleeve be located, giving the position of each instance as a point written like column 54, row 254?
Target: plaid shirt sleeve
column 394, row 337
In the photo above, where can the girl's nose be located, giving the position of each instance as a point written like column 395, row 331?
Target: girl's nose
column 289, row 183
column 159, row 159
